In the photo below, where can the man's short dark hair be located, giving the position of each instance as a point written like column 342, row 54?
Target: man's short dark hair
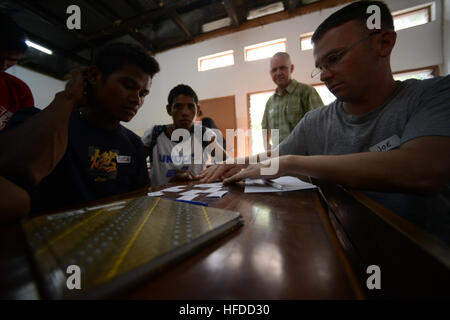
column 12, row 38
column 114, row 56
column 182, row 89
column 355, row 11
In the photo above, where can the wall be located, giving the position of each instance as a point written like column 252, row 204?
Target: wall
column 42, row 87
column 416, row 47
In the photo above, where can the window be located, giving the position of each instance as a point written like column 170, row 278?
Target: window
column 324, row 93
column 256, row 105
column 264, row 50
column 305, row 41
column 412, row 17
column 421, row 74
column 218, row 60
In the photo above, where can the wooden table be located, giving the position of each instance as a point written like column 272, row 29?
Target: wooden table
column 293, row 245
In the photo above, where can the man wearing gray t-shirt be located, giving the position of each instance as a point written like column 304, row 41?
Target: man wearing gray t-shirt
column 388, row 137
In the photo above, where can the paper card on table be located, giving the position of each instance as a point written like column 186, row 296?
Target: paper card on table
column 288, row 183
column 190, row 192
column 188, row 198
column 217, row 194
column 210, row 185
column 155, row 194
column 210, row 190
column 174, row 189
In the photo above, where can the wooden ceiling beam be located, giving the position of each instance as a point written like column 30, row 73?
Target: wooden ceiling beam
column 119, row 27
column 292, row 5
column 106, row 13
column 231, row 10
column 176, row 18
column 302, row 10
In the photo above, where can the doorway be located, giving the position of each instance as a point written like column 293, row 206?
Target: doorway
column 223, row 111
column 255, row 109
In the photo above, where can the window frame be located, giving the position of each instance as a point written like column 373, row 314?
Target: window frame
column 410, row 11
column 263, row 45
column 215, row 56
column 305, row 36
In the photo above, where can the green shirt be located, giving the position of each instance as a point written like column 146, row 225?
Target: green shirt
column 283, row 111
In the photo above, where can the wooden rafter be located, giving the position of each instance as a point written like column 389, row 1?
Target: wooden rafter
column 110, row 16
column 313, row 7
column 120, row 27
column 175, row 17
column 231, row 10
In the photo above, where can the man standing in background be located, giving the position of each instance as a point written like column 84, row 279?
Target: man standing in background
column 14, row 93
column 289, row 103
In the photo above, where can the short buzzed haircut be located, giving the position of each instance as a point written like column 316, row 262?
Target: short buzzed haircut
column 184, row 90
column 356, row 11
column 114, row 56
column 12, row 38
column 281, row 54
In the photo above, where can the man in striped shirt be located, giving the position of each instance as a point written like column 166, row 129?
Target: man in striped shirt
column 289, row 103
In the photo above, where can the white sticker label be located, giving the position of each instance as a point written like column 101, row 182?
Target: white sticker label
column 123, row 159
column 386, row 145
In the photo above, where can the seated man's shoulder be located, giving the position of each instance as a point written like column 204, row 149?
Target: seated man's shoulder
column 156, row 130
column 419, row 86
column 322, row 111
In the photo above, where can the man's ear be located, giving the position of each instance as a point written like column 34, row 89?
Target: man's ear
column 198, row 110
column 169, row 110
column 386, row 42
column 292, row 68
column 94, row 75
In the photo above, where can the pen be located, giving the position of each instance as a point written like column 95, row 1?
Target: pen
column 273, row 184
column 200, row 203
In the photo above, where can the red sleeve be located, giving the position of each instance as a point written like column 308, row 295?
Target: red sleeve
column 26, row 98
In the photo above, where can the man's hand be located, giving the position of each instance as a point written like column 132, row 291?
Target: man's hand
column 253, row 171
column 219, row 171
column 182, row 176
column 76, row 90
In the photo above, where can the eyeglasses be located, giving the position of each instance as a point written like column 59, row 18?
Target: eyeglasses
column 333, row 59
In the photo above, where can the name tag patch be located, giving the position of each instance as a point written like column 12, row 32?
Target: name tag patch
column 123, row 159
column 386, row 145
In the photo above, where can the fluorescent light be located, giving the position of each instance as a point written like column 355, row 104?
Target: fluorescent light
column 225, row 22
column 264, row 11
column 40, row 48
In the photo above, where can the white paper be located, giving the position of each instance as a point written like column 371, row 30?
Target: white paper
column 209, row 185
column 217, row 194
column 210, row 190
column 155, row 194
column 288, row 183
column 190, row 192
column 174, row 189
column 188, row 198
